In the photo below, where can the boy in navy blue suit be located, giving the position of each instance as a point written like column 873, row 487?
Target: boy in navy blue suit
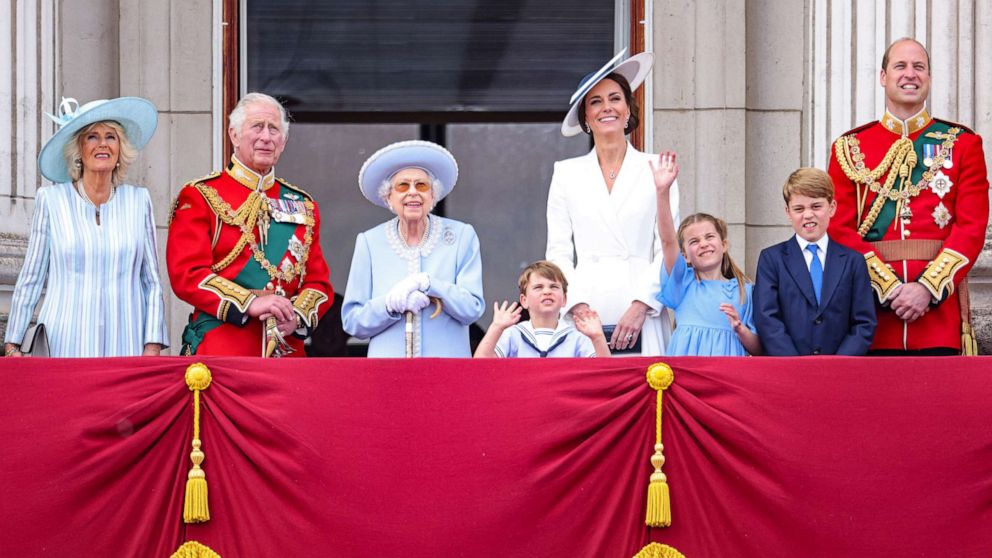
column 812, row 296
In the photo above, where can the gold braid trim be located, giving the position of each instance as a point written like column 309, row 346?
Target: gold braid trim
column 172, row 212
column 657, row 550
column 900, row 160
column 300, row 266
column 938, row 277
column 228, row 291
column 306, row 304
column 193, row 549
column 883, row 279
column 246, row 218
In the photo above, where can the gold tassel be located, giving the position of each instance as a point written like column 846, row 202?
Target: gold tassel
column 195, row 507
column 969, row 346
column 659, row 512
column 657, row 550
column 193, row 549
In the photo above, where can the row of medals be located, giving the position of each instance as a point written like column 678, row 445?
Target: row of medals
column 940, row 185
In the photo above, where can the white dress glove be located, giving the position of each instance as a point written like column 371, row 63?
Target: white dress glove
column 396, row 299
column 417, row 301
column 423, row 281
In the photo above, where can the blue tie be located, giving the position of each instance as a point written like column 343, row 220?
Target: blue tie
column 815, row 271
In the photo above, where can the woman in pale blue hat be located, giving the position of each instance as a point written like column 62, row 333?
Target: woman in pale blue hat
column 602, row 212
column 415, row 285
column 92, row 241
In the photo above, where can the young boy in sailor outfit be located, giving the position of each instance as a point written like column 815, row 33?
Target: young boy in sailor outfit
column 543, row 288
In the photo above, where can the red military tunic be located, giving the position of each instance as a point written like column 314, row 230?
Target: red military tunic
column 913, row 198
column 234, row 236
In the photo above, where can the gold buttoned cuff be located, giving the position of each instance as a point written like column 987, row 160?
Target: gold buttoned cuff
column 883, row 278
column 938, row 277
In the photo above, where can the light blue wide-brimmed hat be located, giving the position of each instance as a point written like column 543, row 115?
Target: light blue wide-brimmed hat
column 389, row 160
column 635, row 69
column 137, row 116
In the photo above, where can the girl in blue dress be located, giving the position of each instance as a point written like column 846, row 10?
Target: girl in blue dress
column 710, row 295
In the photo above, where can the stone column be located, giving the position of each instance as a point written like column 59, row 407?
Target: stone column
column 28, row 39
column 775, row 117
column 167, row 57
column 699, row 105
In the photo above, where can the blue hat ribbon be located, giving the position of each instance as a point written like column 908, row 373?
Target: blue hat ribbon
column 68, row 109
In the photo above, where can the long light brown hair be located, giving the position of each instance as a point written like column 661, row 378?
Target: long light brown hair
column 728, row 268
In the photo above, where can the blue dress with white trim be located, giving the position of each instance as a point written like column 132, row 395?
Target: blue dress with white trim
column 701, row 329
column 449, row 254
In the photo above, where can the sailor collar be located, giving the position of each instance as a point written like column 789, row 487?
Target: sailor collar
column 249, row 178
column 906, row 127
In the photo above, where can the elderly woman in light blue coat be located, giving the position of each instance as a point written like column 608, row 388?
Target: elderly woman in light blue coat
column 415, row 285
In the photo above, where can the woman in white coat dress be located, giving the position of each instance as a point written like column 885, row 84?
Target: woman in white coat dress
column 602, row 212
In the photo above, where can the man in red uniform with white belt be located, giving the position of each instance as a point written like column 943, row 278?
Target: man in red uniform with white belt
column 912, row 196
column 244, row 247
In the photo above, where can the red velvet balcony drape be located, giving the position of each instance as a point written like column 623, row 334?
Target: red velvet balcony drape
column 425, row 458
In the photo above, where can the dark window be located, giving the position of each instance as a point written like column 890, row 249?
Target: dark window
column 425, row 60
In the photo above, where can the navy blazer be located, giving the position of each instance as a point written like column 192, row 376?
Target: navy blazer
column 786, row 315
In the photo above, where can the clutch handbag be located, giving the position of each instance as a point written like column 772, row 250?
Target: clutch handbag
column 608, row 332
column 35, row 341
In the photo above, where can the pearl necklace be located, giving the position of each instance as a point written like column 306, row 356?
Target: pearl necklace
column 82, row 192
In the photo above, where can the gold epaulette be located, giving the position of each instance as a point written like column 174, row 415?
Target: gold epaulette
column 955, row 125
column 938, row 277
column 883, row 279
column 294, row 188
column 191, row 183
column 204, row 178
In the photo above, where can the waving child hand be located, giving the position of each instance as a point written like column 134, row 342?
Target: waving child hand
column 589, row 324
column 665, row 170
column 505, row 315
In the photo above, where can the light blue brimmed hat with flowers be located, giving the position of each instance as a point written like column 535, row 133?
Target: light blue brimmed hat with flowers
column 635, row 69
column 137, row 116
column 389, row 160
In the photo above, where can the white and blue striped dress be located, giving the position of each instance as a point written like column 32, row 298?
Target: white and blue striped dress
column 103, row 296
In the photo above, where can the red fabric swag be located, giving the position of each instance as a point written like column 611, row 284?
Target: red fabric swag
column 822, row 456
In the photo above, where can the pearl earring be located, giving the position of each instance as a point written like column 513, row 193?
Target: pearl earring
column 588, row 128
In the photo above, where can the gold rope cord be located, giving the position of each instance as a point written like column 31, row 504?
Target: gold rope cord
column 195, row 507
column 246, row 218
column 659, row 508
column 900, row 159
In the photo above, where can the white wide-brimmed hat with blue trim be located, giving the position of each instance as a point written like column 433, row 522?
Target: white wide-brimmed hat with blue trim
column 389, row 160
column 137, row 116
column 635, row 69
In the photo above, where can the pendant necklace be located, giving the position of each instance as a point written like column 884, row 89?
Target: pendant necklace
column 616, row 167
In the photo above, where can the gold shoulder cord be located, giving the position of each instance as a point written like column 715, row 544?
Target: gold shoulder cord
column 900, row 159
column 246, row 218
